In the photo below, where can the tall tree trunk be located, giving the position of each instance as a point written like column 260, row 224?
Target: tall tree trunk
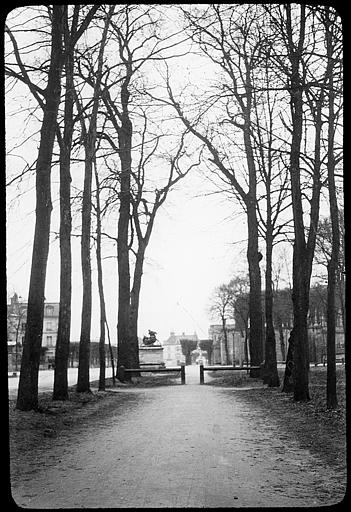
column 288, row 384
column 332, row 400
column 255, row 303
column 281, row 338
column 102, row 355
column 134, row 302
column 253, row 258
column 246, row 344
column 111, row 355
column 27, row 398
column 60, row 391
column 225, row 339
column 270, row 369
column 300, row 290
column 83, row 383
column 125, row 357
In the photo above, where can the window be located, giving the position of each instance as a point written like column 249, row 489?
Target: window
column 49, row 326
column 49, row 341
column 23, row 326
column 49, row 310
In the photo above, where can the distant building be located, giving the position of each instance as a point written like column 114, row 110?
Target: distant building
column 317, row 335
column 236, row 345
column 16, row 329
column 172, row 353
column 50, row 328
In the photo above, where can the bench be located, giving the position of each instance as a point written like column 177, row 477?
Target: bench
column 339, row 358
column 218, row 368
column 152, row 365
column 152, row 369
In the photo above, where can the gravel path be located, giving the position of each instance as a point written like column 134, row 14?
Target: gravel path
column 178, row 446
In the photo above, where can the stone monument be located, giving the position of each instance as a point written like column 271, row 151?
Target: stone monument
column 151, row 352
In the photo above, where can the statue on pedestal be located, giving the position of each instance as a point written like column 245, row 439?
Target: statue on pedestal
column 151, row 339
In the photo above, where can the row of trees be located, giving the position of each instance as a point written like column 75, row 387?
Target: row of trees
column 277, row 102
column 103, row 117
column 265, row 125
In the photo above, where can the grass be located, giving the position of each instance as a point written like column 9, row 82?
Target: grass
column 317, row 384
column 232, row 379
column 318, row 429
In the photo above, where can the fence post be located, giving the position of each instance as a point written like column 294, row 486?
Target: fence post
column 201, row 373
column 182, row 372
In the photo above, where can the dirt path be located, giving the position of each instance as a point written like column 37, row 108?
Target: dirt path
column 178, row 446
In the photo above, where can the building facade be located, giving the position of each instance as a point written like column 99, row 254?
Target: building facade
column 172, row 349
column 16, row 329
column 235, row 341
column 317, row 335
column 50, row 328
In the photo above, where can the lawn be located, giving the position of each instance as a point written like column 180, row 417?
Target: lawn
column 318, row 429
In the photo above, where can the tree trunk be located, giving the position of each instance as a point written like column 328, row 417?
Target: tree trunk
column 27, row 398
column 246, row 344
column 134, row 302
column 288, row 385
column 300, row 290
column 126, row 357
column 255, row 303
column 270, row 376
column 60, row 391
column 102, row 355
column 332, row 401
column 300, row 352
column 111, row 355
column 83, row 382
column 281, row 338
column 255, row 299
column 225, row 338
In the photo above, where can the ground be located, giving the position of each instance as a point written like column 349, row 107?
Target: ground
column 316, row 428
column 233, row 429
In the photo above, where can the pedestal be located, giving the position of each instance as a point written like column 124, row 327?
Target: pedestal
column 151, row 355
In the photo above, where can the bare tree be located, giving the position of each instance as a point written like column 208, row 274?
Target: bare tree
column 135, row 32
column 71, row 36
column 275, row 201
column 323, row 254
column 221, row 303
column 297, row 28
column 333, row 36
column 103, row 321
column 89, row 138
column 232, row 38
column 28, row 384
column 239, row 303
